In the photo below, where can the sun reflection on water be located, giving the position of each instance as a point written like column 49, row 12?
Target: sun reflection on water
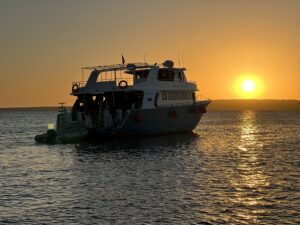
column 249, row 180
column 248, row 131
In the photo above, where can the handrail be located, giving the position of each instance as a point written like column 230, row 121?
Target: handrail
column 118, row 79
column 204, row 100
column 124, row 118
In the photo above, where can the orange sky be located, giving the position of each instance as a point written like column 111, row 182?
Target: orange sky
column 45, row 43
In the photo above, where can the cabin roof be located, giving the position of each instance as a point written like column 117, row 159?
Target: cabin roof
column 127, row 66
column 117, row 66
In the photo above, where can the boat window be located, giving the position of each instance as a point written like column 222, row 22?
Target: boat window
column 141, row 74
column 156, row 99
column 183, row 76
column 166, row 75
column 179, row 75
column 164, row 95
column 174, row 95
column 115, row 76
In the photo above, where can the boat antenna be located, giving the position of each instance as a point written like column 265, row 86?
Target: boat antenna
column 178, row 58
column 144, row 58
column 182, row 59
column 123, row 60
column 82, row 77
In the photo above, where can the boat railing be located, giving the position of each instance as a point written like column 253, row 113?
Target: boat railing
column 117, row 80
column 203, row 101
column 124, row 118
column 200, row 97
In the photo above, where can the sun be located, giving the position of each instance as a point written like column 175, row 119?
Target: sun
column 248, row 86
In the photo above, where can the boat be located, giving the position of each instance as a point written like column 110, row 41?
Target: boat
column 128, row 100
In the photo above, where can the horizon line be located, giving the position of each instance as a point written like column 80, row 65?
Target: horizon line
column 57, row 106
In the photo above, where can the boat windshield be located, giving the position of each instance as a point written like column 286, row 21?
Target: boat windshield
column 166, row 74
column 141, row 74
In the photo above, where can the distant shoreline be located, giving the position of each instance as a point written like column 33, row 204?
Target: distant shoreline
column 254, row 104
column 218, row 104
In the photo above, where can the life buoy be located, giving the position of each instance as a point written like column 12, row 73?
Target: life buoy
column 123, row 84
column 75, row 88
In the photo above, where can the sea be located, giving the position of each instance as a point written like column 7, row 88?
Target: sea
column 236, row 167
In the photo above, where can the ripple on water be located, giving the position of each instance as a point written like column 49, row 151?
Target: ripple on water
column 238, row 167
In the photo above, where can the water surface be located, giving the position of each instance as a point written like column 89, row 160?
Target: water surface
column 239, row 167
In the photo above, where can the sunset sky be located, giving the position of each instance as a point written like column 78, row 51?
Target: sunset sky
column 222, row 43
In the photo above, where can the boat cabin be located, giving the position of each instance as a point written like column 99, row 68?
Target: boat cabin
column 112, row 91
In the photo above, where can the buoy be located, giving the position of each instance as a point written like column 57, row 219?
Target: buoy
column 123, row 84
column 75, row 88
